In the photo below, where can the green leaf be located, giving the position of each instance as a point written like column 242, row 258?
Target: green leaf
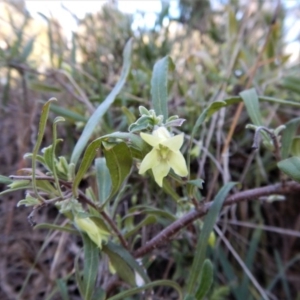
column 147, row 221
column 90, row 153
column 40, row 87
column 279, row 101
column 229, row 273
column 291, row 83
column 142, row 123
column 160, row 213
column 209, row 223
column 5, row 180
column 291, row 167
column 249, row 261
column 78, row 277
column 159, row 86
column 68, row 114
column 47, row 151
column 127, row 257
column 192, row 186
column 19, row 184
column 119, row 162
column 104, row 106
column 284, row 279
column 206, row 279
column 28, row 201
column 99, row 294
column 169, row 189
column 131, row 118
column 134, row 291
column 66, row 228
column 121, row 266
column 42, row 126
column 103, row 179
column 90, row 268
column 27, row 50
column 287, row 137
column 63, row 289
column 251, row 102
column 196, row 182
column 14, row 189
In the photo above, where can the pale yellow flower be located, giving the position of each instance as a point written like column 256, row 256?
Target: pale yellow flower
column 164, row 155
column 95, row 233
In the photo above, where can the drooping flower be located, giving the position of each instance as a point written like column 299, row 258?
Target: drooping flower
column 95, row 233
column 164, row 155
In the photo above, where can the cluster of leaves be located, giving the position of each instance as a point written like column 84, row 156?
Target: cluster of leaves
column 108, row 107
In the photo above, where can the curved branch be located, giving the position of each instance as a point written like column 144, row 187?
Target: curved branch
column 168, row 232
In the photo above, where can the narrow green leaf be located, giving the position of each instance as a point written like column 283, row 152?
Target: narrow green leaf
column 41, row 87
column 63, row 289
column 119, row 162
column 78, row 277
column 153, row 284
column 90, row 153
column 14, row 189
column 131, row 118
column 284, row 279
column 42, row 126
column 145, row 209
column 291, row 167
column 128, row 258
column 282, row 272
column 53, row 154
column 229, row 272
column 28, row 201
column 103, row 179
column 279, row 101
column 209, row 223
column 68, row 114
column 249, row 261
column 251, row 102
column 291, row 83
column 196, row 182
column 104, row 106
column 121, row 267
column 206, row 279
column 99, row 294
column 5, row 180
column 90, row 268
column 159, row 86
column 147, row 221
column 168, row 188
column 287, row 137
column 27, row 50
column 48, row 157
column 56, row 227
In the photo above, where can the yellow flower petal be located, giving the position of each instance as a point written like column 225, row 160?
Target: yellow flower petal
column 150, row 139
column 177, row 163
column 174, row 143
column 160, row 171
column 164, row 155
column 149, row 161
